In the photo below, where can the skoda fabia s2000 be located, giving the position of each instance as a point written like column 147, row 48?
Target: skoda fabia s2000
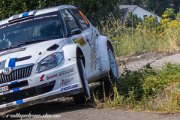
column 51, row 53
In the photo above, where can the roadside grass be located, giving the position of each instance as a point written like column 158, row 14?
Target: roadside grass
column 146, row 90
column 147, row 36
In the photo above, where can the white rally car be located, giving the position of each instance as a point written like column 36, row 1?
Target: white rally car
column 51, row 53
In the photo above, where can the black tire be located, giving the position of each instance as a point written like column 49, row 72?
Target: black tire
column 82, row 98
column 79, row 99
column 114, row 72
column 112, row 77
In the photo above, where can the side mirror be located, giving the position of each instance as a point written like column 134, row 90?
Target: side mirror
column 75, row 31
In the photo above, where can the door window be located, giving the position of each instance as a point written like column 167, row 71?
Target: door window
column 69, row 21
column 82, row 20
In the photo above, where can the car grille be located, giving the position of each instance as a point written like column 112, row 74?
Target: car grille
column 16, row 74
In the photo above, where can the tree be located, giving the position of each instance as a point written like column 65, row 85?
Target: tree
column 169, row 13
column 133, row 20
column 94, row 9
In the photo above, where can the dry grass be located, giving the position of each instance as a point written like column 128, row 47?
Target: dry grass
column 168, row 99
column 147, row 90
column 164, row 38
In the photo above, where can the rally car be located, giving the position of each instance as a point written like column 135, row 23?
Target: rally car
column 51, row 53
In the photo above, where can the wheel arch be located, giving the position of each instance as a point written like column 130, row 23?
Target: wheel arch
column 81, row 68
column 103, row 43
column 73, row 51
column 79, row 54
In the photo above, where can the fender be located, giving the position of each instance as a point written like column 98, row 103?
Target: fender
column 73, row 51
column 70, row 51
column 102, row 42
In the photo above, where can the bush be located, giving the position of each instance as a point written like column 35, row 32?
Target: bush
column 147, row 90
column 96, row 10
column 148, row 36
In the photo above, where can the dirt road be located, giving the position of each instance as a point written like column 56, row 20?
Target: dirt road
column 155, row 61
column 67, row 110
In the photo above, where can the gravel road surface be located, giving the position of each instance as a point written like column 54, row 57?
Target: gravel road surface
column 156, row 61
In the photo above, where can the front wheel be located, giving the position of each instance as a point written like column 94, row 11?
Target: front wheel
column 114, row 72
column 113, row 76
column 82, row 98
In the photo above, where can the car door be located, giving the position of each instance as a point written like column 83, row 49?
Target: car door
column 80, row 38
column 88, row 32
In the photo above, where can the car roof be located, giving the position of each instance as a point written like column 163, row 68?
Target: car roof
column 40, row 12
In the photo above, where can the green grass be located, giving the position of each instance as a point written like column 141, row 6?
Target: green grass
column 147, row 90
column 127, row 41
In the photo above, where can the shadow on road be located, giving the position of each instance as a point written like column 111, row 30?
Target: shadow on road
column 49, row 108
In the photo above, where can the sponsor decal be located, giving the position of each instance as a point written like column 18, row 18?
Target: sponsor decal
column 12, row 62
column 18, row 102
column 69, row 87
column 16, row 90
column 42, row 78
column 4, row 89
column 65, row 82
column 65, row 72
column 80, row 40
column 51, row 76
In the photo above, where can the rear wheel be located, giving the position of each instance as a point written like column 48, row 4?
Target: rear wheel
column 82, row 98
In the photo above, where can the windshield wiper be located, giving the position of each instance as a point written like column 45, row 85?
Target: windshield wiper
column 26, row 43
column 3, row 49
column 22, row 44
column 30, row 42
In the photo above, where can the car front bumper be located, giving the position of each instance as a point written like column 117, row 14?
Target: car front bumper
column 58, row 82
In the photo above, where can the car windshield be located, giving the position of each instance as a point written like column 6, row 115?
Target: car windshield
column 34, row 29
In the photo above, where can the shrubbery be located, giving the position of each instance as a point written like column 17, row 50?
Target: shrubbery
column 147, row 36
column 95, row 10
column 147, row 89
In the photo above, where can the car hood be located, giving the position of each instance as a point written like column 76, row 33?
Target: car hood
column 28, row 54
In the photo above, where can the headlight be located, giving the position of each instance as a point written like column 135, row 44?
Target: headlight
column 50, row 61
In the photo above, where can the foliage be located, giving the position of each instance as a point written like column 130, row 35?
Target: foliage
column 149, row 23
column 147, row 36
column 147, row 89
column 132, row 20
column 178, row 16
column 169, row 13
column 95, row 10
